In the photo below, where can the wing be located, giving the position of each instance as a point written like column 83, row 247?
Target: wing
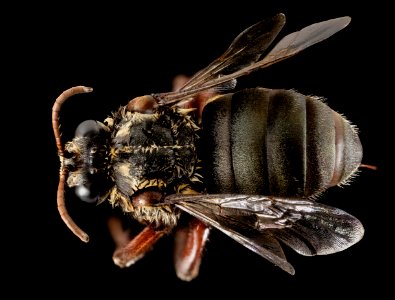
column 245, row 54
column 246, row 49
column 259, row 222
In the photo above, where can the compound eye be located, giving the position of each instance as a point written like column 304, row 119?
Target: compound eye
column 88, row 128
column 86, row 193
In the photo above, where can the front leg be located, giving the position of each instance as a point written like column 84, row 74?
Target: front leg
column 189, row 244
column 128, row 251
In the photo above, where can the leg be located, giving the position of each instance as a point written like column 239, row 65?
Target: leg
column 189, row 244
column 128, row 251
column 198, row 102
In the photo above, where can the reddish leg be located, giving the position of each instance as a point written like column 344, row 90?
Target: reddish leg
column 189, row 244
column 198, row 102
column 128, row 251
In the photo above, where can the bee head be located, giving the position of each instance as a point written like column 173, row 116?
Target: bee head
column 87, row 158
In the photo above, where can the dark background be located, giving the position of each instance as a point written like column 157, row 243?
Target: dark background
column 127, row 51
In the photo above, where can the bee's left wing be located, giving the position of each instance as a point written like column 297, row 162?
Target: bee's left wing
column 258, row 222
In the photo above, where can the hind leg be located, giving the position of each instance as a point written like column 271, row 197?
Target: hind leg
column 189, row 244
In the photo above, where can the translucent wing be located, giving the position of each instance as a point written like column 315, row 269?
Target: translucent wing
column 246, row 49
column 243, row 56
column 259, row 222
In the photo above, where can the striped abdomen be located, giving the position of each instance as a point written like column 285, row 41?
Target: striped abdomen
column 276, row 142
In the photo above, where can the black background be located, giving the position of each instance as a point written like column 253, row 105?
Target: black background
column 127, row 51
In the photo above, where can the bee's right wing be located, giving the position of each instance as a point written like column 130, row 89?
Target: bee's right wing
column 246, row 54
column 259, row 222
column 245, row 49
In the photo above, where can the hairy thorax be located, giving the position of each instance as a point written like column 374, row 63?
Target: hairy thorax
column 152, row 155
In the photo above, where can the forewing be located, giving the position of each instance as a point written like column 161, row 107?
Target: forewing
column 290, row 45
column 308, row 227
column 246, row 49
column 300, row 40
column 237, row 225
column 214, row 76
column 320, row 229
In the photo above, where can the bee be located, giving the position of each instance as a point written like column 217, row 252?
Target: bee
column 250, row 163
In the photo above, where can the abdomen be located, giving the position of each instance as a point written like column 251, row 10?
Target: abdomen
column 276, row 142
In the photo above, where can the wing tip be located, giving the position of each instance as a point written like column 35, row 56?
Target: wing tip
column 345, row 20
column 288, row 268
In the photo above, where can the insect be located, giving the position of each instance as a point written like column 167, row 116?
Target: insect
column 250, row 163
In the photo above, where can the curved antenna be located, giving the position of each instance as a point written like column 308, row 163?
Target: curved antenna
column 63, row 171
